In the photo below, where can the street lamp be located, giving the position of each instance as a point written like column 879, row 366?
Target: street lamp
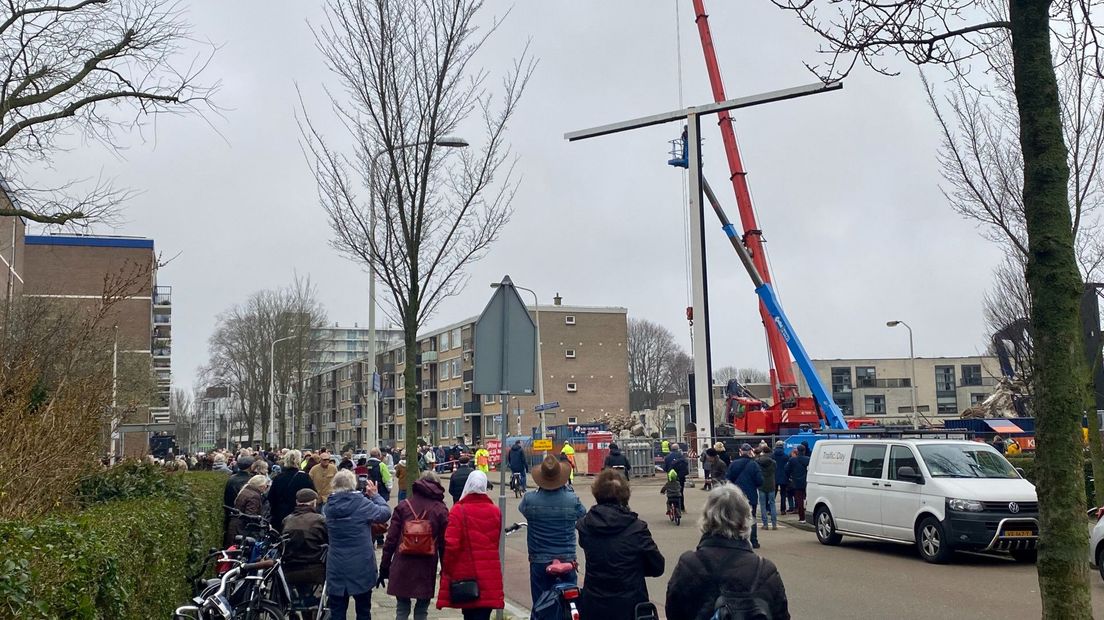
column 912, row 358
column 446, row 142
column 272, row 391
column 540, row 371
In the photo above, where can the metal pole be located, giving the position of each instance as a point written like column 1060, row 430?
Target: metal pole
column 114, row 394
column 373, row 415
column 502, row 488
column 912, row 391
column 703, row 372
column 540, row 368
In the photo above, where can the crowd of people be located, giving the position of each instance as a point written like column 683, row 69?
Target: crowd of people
column 336, row 511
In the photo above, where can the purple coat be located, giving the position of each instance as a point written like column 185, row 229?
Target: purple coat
column 415, row 576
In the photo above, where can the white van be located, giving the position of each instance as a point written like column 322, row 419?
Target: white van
column 939, row 494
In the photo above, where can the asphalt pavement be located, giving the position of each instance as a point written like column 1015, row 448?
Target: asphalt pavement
column 857, row 579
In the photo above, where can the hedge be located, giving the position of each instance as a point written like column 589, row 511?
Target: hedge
column 127, row 554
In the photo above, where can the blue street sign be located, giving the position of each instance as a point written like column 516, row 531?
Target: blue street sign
column 547, row 406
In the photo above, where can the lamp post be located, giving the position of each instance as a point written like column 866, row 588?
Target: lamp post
column 540, row 370
column 373, row 418
column 272, row 391
column 912, row 380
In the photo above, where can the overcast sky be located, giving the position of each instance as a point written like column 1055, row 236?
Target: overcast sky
column 846, row 184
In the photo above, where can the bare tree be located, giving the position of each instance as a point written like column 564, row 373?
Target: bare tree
column 743, row 375
column 679, row 367
column 409, row 81
column 960, row 35
column 725, row 374
column 651, row 350
column 243, row 356
column 182, row 413
column 89, row 67
column 1008, row 303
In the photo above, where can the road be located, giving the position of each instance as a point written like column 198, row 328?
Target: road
column 854, row 580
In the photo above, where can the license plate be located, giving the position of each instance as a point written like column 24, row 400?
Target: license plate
column 1018, row 533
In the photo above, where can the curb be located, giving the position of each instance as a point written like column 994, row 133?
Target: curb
column 800, row 525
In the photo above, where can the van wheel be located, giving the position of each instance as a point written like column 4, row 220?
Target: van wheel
column 932, row 542
column 1100, row 561
column 826, row 527
column 1025, row 556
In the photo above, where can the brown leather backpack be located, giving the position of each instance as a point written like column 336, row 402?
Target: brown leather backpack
column 417, row 535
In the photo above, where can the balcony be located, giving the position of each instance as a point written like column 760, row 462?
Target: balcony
column 428, row 413
column 884, row 383
column 329, row 426
column 428, row 357
column 469, row 376
column 467, row 345
column 473, row 407
column 162, row 352
column 387, row 393
column 162, row 296
column 162, row 319
column 429, row 385
column 386, row 368
column 977, row 382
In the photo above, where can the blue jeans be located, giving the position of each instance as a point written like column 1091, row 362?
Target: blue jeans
column 541, row 582
column 766, row 500
column 339, row 606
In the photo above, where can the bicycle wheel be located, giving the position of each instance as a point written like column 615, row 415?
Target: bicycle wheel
column 259, row 610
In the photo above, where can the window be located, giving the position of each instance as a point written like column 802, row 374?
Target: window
column 867, row 460
column 456, row 338
column 866, row 376
column 901, row 456
column 400, row 356
column 456, row 368
column 569, row 319
column 488, row 399
column 569, row 354
column 971, row 374
column 573, row 420
column 443, row 341
column 908, row 409
column 841, row 379
column 457, row 401
column 442, row 400
column 875, row 404
column 977, row 399
column 946, row 405
column 442, row 371
column 944, row 380
column 572, row 387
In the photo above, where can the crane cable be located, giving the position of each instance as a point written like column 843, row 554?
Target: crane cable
column 687, row 271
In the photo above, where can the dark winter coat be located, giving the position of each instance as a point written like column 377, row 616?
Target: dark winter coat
column 766, row 463
column 351, row 563
column 306, row 533
column 281, row 495
column 415, row 576
column 471, row 552
column 745, row 473
column 617, row 459
column 517, row 461
column 697, row 579
column 249, row 501
column 780, row 460
column 620, row 553
column 457, row 481
column 676, row 460
column 797, row 470
column 230, row 492
column 718, row 468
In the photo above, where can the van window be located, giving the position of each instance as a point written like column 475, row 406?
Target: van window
column 966, row 461
column 867, row 461
column 901, row 456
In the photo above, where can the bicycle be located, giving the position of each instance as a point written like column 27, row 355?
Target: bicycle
column 673, row 513
column 214, row 603
column 561, row 601
column 516, row 485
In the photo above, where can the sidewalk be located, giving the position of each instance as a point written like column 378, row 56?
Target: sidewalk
column 791, row 520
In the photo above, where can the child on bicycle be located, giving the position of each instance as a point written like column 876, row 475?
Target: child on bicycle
column 673, row 491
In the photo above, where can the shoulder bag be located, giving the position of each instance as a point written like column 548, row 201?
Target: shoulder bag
column 465, row 590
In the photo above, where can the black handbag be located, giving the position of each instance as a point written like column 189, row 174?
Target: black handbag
column 464, row 590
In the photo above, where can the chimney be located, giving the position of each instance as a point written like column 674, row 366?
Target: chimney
column 557, row 300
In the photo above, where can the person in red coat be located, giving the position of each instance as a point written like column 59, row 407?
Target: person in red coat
column 471, row 550
column 414, row 576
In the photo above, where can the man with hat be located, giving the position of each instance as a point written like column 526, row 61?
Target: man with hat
column 322, row 475
column 746, row 474
column 551, row 513
column 306, row 534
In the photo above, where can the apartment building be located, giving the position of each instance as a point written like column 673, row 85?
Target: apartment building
column 945, row 386
column 335, row 344
column 74, row 268
column 584, row 355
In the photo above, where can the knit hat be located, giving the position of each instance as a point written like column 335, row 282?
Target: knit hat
column 305, row 496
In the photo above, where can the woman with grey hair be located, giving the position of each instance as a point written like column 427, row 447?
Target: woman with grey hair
column 724, row 570
column 351, row 564
column 290, row 480
column 249, row 501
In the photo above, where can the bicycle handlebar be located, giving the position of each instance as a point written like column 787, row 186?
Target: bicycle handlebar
column 515, row 527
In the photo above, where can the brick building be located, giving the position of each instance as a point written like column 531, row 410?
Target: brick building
column 584, row 354
column 75, row 268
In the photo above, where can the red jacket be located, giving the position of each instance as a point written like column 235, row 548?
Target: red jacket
column 471, row 551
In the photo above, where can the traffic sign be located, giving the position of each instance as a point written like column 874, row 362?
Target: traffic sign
column 506, row 342
column 547, row 406
column 542, row 444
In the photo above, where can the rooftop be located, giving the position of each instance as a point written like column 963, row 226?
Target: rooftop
column 90, row 241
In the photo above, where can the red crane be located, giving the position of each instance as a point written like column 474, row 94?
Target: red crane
column 788, row 410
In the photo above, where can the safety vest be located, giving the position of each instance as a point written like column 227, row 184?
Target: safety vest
column 569, row 452
column 665, row 446
column 483, row 460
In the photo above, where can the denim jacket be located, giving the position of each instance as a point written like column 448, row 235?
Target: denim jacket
column 551, row 516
